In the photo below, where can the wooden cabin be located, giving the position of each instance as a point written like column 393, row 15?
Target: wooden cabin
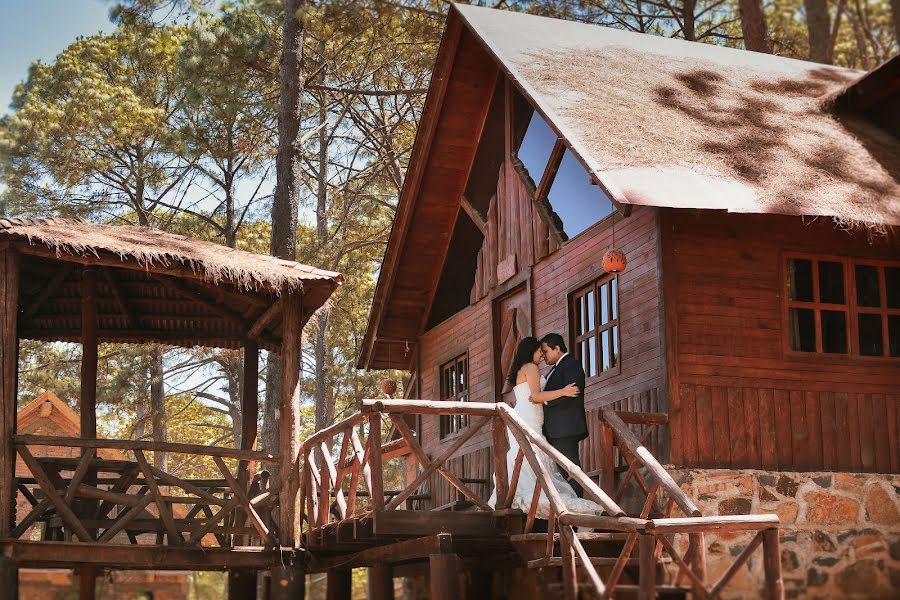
column 756, row 200
column 69, row 280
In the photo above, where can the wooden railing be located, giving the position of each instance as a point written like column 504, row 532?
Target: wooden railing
column 338, row 454
column 99, row 500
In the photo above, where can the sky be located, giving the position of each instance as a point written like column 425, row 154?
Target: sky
column 41, row 29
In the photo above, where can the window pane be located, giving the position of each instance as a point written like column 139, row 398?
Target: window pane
column 615, row 298
column 604, row 305
column 870, row 338
column 799, row 280
column 591, row 310
column 834, row 331
column 606, row 352
column 614, row 332
column 894, row 334
column 831, row 282
column 536, row 147
column 576, row 201
column 578, row 305
column 803, row 329
column 892, row 286
column 867, row 289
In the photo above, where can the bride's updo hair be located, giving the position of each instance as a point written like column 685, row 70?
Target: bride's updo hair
column 524, row 354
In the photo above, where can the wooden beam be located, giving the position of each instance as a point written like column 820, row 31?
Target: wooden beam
column 177, row 448
column 164, row 510
column 50, row 492
column 473, row 213
column 289, row 412
column 9, row 365
column 35, row 303
column 240, row 492
column 429, row 407
column 119, row 298
column 264, row 319
column 185, row 291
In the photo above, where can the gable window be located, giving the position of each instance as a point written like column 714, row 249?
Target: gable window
column 455, row 387
column 594, row 319
column 824, row 317
column 568, row 197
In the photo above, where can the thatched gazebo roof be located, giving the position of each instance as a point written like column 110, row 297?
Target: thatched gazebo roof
column 154, row 286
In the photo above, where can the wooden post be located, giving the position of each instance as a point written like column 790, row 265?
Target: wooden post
column 9, row 578
column 339, row 584
column 89, row 352
column 480, row 583
column 87, row 582
column 443, row 571
column 500, row 450
column 569, row 576
column 289, row 422
column 698, row 554
column 772, row 565
column 608, row 459
column 241, row 585
column 288, row 582
column 9, row 359
column 647, row 567
column 377, row 491
column 249, row 419
column 381, row 582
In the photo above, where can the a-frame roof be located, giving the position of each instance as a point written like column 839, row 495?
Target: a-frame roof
column 658, row 122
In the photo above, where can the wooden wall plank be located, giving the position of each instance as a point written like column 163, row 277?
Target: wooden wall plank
column 844, row 437
column 814, row 427
column 829, row 431
column 893, row 420
column 689, row 424
column 800, row 430
column 853, row 431
column 722, row 446
column 751, row 422
column 783, row 437
column 706, row 454
column 737, row 429
column 866, row 432
column 767, row 437
column 880, row 438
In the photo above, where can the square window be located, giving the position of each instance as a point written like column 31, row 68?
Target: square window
column 597, row 346
column 870, row 338
column 800, row 280
column 868, row 292
column 803, row 329
column 831, row 282
column 834, row 332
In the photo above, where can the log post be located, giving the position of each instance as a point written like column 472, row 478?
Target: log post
column 376, row 493
column 500, row 450
column 88, row 406
column 381, row 582
column 647, row 567
column 772, row 565
column 289, row 422
column 607, row 458
column 9, row 359
column 9, row 578
column 241, row 584
column 249, row 418
column 87, row 582
column 288, row 582
column 339, row 584
column 698, row 555
column 443, row 572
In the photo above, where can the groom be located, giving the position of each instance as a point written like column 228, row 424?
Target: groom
column 565, row 423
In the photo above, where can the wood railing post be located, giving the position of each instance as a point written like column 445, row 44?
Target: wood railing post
column 569, row 576
column 697, row 548
column 377, row 488
column 381, row 582
column 772, row 565
column 647, row 566
column 607, row 459
column 500, row 449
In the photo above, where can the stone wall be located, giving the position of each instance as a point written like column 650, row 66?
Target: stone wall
column 840, row 535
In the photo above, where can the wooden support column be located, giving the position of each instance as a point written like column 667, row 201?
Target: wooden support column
column 697, row 549
column 381, row 582
column 87, row 582
column 250, row 397
column 647, row 566
column 9, row 365
column 772, row 565
column 374, row 440
column 89, row 349
column 443, row 571
column 480, row 583
column 288, row 582
column 9, row 578
column 289, row 421
column 608, row 459
column 339, row 584
column 241, row 585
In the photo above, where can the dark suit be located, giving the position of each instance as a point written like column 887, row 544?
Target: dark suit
column 565, row 423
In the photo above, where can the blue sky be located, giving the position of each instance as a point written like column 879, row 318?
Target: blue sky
column 41, row 29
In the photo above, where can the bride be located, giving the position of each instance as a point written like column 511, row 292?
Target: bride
column 528, row 383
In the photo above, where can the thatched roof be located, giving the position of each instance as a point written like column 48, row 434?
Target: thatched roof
column 664, row 122
column 161, row 252
column 154, row 286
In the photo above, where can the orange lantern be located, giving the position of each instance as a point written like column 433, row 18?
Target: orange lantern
column 389, row 387
column 614, row 261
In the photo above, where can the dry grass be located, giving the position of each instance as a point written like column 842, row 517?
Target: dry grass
column 156, row 250
column 769, row 131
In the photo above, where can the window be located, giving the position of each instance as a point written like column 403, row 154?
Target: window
column 824, row 317
column 569, row 198
column 455, row 387
column 594, row 318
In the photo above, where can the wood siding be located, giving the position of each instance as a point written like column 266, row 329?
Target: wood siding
column 737, row 398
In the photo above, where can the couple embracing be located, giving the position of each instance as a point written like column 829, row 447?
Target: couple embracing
column 553, row 406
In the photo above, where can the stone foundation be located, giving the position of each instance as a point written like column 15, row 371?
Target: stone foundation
column 840, row 533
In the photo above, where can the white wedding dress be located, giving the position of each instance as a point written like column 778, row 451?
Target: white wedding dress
column 533, row 415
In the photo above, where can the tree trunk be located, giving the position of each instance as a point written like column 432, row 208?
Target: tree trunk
column 689, row 21
column 287, row 186
column 818, row 23
column 895, row 10
column 753, row 25
column 324, row 412
column 158, row 406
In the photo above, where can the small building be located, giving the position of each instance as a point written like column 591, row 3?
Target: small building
column 756, row 199
column 48, row 415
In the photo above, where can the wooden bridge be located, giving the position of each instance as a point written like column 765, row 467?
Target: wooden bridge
column 350, row 520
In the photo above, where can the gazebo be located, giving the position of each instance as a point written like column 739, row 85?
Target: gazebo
column 70, row 280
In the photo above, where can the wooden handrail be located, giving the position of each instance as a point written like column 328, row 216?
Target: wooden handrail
column 634, row 445
column 642, row 418
column 429, row 407
column 330, row 431
column 70, row 442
